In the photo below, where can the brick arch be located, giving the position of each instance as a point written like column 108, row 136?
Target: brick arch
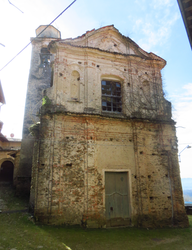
column 6, row 159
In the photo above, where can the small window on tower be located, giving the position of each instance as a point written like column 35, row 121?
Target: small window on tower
column 45, row 58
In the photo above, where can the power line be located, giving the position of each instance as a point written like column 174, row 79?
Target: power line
column 15, row 7
column 39, row 34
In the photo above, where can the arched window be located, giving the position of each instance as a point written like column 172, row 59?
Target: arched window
column 45, row 58
column 111, row 96
column 75, row 78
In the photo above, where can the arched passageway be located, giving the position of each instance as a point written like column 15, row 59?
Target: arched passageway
column 6, row 171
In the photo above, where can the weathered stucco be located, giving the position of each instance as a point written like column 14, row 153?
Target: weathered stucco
column 39, row 79
column 76, row 142
column 9, row 152
column 73, row 154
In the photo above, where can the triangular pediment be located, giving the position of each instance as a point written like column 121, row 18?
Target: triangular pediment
column 109, row 39
column 111, row 43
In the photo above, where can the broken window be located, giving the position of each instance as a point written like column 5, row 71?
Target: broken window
column 45, row 58
column 111, row 96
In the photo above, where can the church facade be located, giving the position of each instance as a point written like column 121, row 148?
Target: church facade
column 104, row 144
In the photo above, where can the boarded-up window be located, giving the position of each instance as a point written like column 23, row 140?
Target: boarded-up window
column 75, row 79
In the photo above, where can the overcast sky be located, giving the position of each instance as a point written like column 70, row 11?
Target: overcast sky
column 155, row 25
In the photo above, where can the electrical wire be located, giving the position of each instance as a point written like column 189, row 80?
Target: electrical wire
column 38, row 34
column 15, row 7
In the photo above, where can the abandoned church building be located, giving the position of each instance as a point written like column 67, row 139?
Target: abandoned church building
column 102, row 147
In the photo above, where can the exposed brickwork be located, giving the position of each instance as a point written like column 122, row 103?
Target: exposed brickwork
column 76, row 142
column 69, row 175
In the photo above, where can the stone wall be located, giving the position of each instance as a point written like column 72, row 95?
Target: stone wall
column 16, row 166
column 72, row 154
column 40, row 76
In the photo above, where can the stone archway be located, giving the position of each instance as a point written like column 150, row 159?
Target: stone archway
column 6, row 171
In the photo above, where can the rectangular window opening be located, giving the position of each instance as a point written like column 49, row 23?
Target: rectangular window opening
column 111, row 96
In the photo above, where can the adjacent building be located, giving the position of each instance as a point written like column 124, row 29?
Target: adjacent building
column 9, row 153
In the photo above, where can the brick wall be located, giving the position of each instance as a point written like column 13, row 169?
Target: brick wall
column 72, row 154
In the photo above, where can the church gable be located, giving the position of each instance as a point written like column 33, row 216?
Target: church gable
column 112, row 43
column 109, row 39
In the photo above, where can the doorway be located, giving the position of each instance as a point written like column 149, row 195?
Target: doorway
column 6, row 171
column 117, row 203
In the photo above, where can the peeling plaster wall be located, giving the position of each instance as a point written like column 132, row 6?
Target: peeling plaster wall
column 72, row 153
column 94, row 66
column 76, row 142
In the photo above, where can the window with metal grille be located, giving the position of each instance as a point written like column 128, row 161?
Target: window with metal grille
column 111, row 96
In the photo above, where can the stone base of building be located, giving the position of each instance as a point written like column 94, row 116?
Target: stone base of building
column 151, row 221
column 145, row 221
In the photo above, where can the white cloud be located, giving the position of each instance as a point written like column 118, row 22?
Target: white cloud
column 156, row 4
column 183, row 117
column 155, row 27
column 188, row 87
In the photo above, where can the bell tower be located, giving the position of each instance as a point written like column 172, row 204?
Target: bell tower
column 40, row 76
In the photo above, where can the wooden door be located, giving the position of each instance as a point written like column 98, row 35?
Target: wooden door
column 117, row 198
